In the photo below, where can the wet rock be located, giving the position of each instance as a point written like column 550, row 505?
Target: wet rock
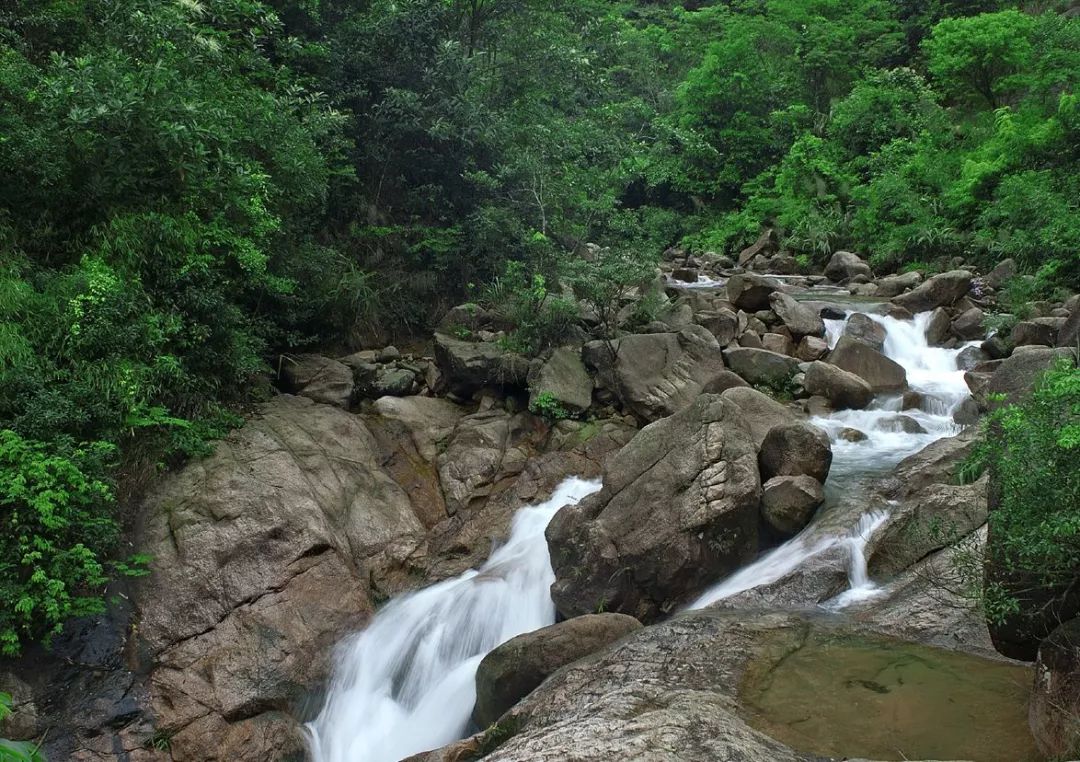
column 1055, row 699
column 515, row 668
column 811, row 348
column 789, row 502
column 655, row 375
column 832, row 313
column 799, row 319
column 862, row 328
column 795, row 449
column 563, row 378
column 968, row 325
column 997, row 347
column 852, row 435
column 685, row 274
column 881, row 373
column 678, row 509
column 939, row 291
column 970, row 357
column 318, row 378
column 843, row 390
column 966, row 413
column 902, row 423
column 468, row 366
column 845, row 265
column 760, row 366
column 937, row 328
column 750, row 292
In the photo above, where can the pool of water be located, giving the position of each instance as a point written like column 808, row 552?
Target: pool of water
column 853, row 696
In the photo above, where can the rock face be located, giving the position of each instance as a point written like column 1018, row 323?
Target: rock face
column 939, row 291
column 258, row 546
column 796, row 449
column 1069, row 335
column 1055, row 700
column 798, row 318
column 470, row 365
column 678, row 510
column 843, row 390
column 657, row 374
column 318, row 378
column 514, row 669
column 1015, row 376
column 564, row 379
column 845, row 265
column 761, row 366
column 750, row 292
column 877, row 370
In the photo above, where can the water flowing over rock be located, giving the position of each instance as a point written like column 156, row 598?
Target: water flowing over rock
column 512, row 670
column 679, row 508
column 862, row 328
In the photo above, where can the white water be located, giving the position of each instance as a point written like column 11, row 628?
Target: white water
column 406, row 683
column 932, row 372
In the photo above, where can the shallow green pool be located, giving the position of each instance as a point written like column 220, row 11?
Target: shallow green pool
column 886, row 700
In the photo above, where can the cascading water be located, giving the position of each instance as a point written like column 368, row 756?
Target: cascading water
column 406, row 683
column 933, row 373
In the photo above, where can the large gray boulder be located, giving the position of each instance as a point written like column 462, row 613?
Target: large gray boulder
column 515, row 668
column 471, row 365
column 799, row 319
column 562, row 378
column 881, row 373
column 678, row 510
column 894, row 285
column 842, row 389
column 656, row 374
column 939, row 291
column 721, row 323
column 845, row 265
column 795, row 449
column 968, row 325
column 318, row 378
column 1015, row 376
column 259, row 555
column 750, row 292
column 761, row 366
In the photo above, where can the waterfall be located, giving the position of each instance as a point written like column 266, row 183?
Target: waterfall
column 406, row 684
column 933, row 373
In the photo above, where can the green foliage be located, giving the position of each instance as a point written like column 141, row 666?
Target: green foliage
column 540, row 318
column 1031, row 449
column 547, row 406
column 16, row 751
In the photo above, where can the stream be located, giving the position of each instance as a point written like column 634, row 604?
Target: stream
column 405, row 684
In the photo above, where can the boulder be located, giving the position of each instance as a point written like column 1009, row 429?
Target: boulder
column 795, row 449
column 939, row 291
column 259, row 554
column 721, row 323
column 655, row 375
column 863, row 328
column 881, row 373
column 393, row 382
column 968, row 325
column 849, row 434
column 811, row 348
column 845, row 265
column 842, row 389
column 894, row 285
column 778, row 343
column 1015, row 376
column 318, row 378
column 937, row 327
column 563, row 378
column 1003, row 272
column 789, row 502
column 799, row 319
column 1069, row 335
column 1054, row 713
column 515, row 668
column 764, row 245
column 760, row 366
column 902, row 424
column 1032, row 333
column 750, row 340
column 970, row 357
column 750, row 292
column 685, row 274
column 678, row 510
column 468, row 366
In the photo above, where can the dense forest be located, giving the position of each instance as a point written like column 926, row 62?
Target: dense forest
column 190, row 188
